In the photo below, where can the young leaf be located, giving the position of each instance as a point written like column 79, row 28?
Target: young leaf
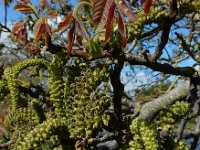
column 82, row 29
column 23, row 8
column 35, row 49
column 126, row 10
column 25, row 37
column 65, row 22
column 146, row 4
column 20, row 35
column 47, row 39
column 47, row 34
column 71, row 36
column 38, row 29
column 103, row 16
column 122, row 29
column 48, row 28
column 52, row 13
column 109, row 22
column 43, row 3
column 98, row 8
column 17, row 26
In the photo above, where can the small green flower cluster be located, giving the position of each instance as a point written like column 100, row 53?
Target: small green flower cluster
column 144, row 136
column 180, row 145
column 85, row 102
column 33, row 139
column 135, row 28
column 186, row 7
column 167, row 118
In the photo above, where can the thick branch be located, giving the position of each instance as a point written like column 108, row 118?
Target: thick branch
column 164, row 68
column 150, row 109
column 118, row 88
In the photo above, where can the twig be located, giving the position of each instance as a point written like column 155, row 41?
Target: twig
column 4, row 145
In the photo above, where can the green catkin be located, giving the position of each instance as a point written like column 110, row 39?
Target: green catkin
column 85, row 106
column 18, row 100
column 20, row 117
column 167, row 118
column 56, row 83
column 36, row 137
column 144, row 136
column 135, row 28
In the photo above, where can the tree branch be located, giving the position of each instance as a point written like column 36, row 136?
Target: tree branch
column 166, row 28
column 164, row 68
column 4, row 145
column 152, row 108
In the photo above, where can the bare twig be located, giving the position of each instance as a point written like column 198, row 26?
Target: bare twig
column 4, row 145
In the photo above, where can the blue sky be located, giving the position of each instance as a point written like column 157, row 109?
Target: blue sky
column 15, row 15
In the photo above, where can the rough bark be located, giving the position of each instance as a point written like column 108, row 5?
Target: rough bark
column 150, row 109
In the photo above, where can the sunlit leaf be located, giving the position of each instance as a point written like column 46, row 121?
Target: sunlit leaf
column 20, row 35
column 126, row 10
column 47, row 34
column 103, row 15
column 109, row 22
column 82, row 29
column 48, row 28
column 71, row 36
column 17, row 26
column 65, row 22
column 23, row 8
column 38, row 29
column 146, row 4
column 25, row 37
column 94, row 48
column 43, row 3
column 122, row 29
column 47, row 38
column 98, row 8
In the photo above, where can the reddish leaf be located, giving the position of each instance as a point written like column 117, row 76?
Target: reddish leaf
column 79, row 40
column 109, row 23
column 104, row 15
column 47, row 38
column 23, row 8
column 71, row 36
column 52, row 13
column 64, row 23
column 126, row 10
column 122, row 29
column 20, row 35
column 146, row 4
column 47, row 34
column 82, row 29
column 25, row 37
column 48, row 28
column 98, row 8
column 38, row 29
column 43, row 3
column 35, row 49
column 17, row 26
